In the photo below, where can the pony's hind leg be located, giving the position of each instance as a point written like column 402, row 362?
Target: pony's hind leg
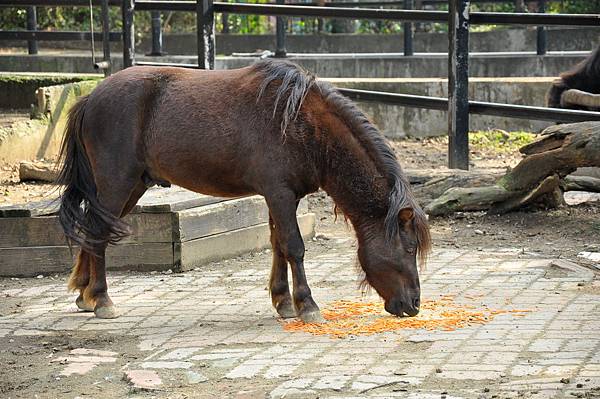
column 80, row 276
column 278, row 282
column 116, row 197
column 282, row 206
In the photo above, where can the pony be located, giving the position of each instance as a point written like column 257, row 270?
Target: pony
column 271, row 129
column 578, row 88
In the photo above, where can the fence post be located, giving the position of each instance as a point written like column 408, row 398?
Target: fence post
column 520, row 6
column 157, row 37
column 542, row 46
column 458, row 84
column 225, row 22
column 128, row 33
column 32, row 46
column 408, row 30
column 205, row 29
column 106, row 65
column 280, row 51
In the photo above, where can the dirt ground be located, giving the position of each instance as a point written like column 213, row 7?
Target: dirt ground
column 562, row 232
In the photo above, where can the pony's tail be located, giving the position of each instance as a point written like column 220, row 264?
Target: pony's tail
column 84, row 220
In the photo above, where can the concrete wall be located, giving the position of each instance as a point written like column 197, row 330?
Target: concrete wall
column 396, row 122
column 510, row 39
column 365, row 66
column 41, row 138
column 582, row 39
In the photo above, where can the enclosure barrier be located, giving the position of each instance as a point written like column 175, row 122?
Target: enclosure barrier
column 475, row 107
column 408, row 34
column 32, row 35
column 458, row 18
column 156, row 31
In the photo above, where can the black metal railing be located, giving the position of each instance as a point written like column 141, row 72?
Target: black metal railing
column 408, row 27
column 33, row 35
column 156, row 31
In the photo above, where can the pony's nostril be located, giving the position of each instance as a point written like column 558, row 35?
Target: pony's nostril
column 417, row 302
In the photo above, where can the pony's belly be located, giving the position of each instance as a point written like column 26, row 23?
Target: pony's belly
column 201, row 172
column 218, row 188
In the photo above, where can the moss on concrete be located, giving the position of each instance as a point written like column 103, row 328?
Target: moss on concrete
column 18, row 90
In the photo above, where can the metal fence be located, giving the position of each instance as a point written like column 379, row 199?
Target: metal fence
column 459, row 19
column 33, row 35
column 281, row 27
column 407, row 27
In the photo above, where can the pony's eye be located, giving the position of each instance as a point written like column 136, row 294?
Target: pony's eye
column 412, row 250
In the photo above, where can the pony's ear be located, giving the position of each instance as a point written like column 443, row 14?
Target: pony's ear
column 406, row 215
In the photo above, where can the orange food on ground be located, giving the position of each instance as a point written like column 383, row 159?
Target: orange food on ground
column 346, row 318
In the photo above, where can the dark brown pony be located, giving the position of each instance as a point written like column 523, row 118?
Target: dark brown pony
column 585, row 77
column 268, row 129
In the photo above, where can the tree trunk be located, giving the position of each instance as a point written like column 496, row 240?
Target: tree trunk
column 538, row 179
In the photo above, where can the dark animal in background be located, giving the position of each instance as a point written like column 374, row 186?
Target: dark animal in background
column 270, row 129
column 578, row 88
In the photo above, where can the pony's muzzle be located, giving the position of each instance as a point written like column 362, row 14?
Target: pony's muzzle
column 399, row 307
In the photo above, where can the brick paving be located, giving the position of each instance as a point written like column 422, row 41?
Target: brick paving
column 196, row 330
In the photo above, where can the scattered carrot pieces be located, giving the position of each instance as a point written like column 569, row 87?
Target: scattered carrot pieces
column 346, row 318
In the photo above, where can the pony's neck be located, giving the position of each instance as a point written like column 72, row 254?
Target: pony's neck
column 351, row 178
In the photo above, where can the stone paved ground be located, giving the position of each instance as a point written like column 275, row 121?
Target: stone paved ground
column 211, row 333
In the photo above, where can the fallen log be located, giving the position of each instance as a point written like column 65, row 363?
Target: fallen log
column 581, row 183
column 429, row 184
column 538, row 179
column 38, row 170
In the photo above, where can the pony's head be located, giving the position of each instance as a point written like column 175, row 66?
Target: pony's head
column 389, row 258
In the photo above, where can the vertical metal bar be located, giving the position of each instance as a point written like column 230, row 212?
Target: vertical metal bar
column 280, row 51
column 519, row 5
column 542, row 46
column 157, row 38
column 205, row 26
column 458, row 84
column 408, row 30
column 32, row 45
column 128, row 33
column 105, row 37
column 225, row 22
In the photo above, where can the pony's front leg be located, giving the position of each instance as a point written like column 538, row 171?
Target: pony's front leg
column 282, row 207
column 278, row 281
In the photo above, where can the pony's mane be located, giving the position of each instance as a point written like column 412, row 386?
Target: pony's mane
column 296, row 83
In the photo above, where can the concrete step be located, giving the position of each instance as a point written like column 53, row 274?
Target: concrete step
column 172, row 229
column 235, row 242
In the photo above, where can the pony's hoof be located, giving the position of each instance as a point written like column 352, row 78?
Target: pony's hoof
column 313, row 316
column 83, row 305
column 286, row 310
column 106, row 312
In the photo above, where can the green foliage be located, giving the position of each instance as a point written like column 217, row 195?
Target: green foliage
column 575, row 7
column 58, row 18
column 499, row 140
